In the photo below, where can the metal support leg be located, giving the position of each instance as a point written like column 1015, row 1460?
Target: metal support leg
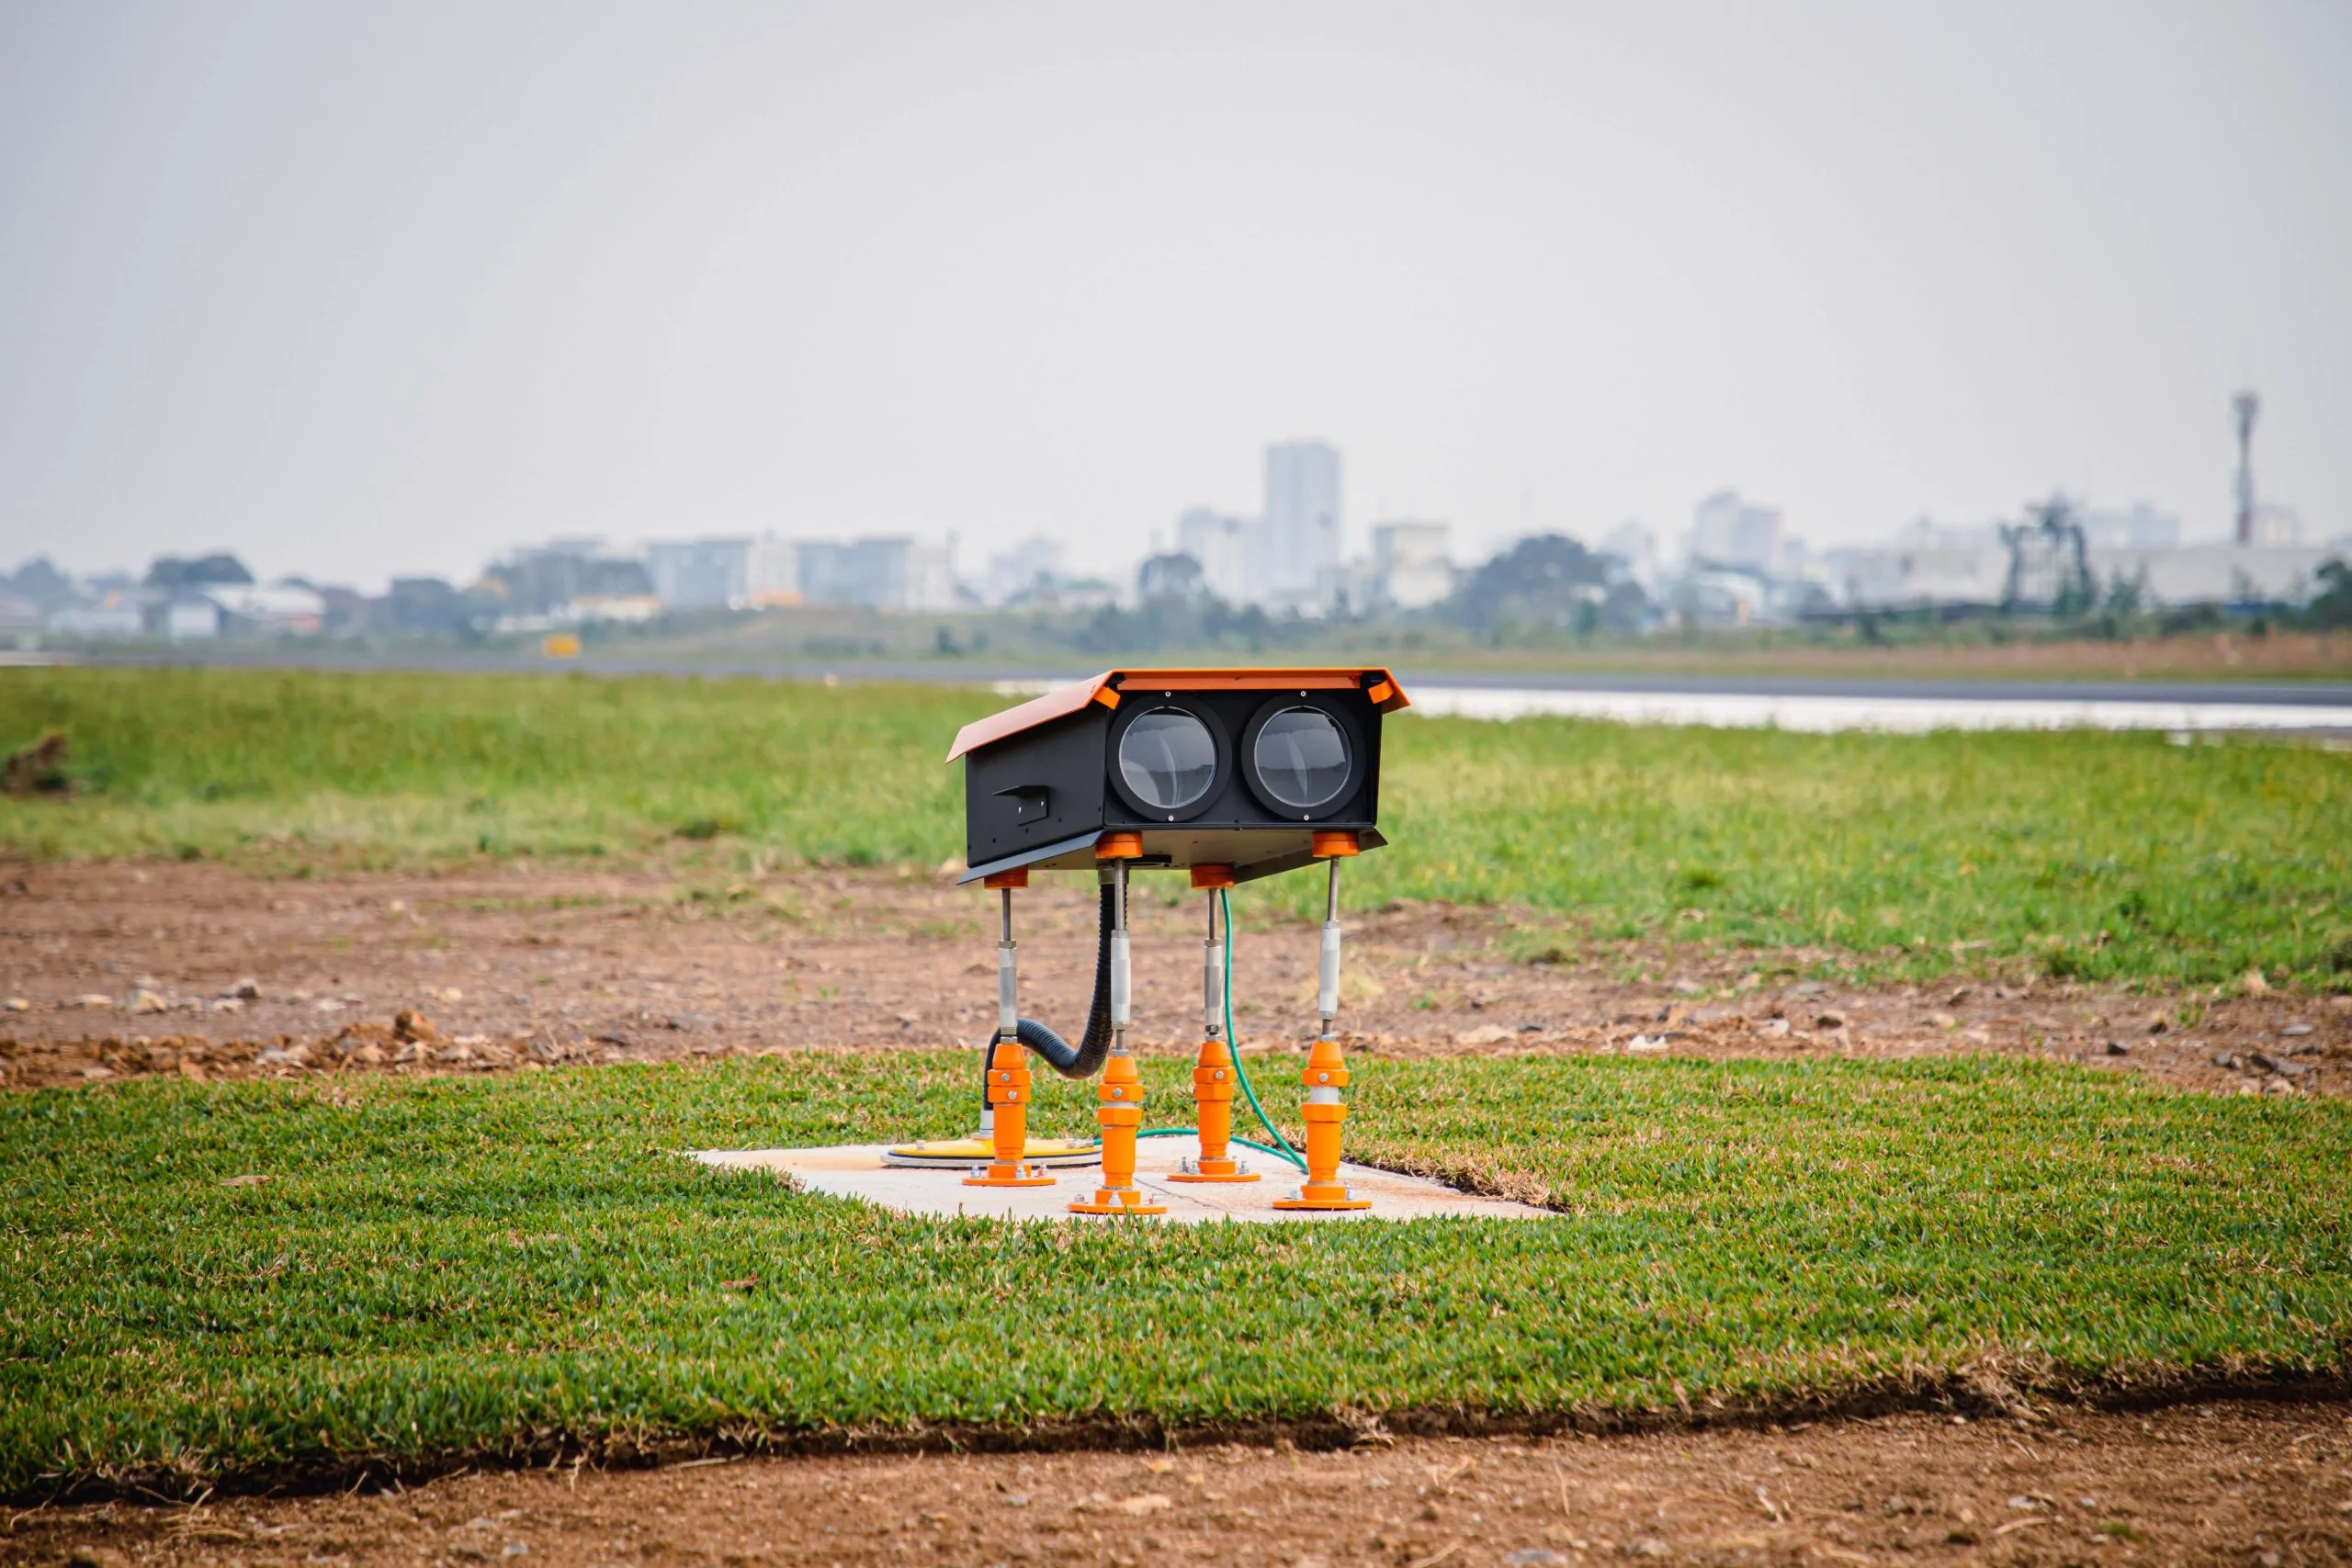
column 1118, row 1108
column 1006, row 1120
column 1213, row 1079
column 1326, row 1075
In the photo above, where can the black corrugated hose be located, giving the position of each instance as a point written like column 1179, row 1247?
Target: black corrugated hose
column 1086, row 1059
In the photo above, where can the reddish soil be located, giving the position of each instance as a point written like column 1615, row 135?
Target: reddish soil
column 117, row 970
column 2247, row 1486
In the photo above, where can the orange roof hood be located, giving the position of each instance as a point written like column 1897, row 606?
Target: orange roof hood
column 1063, row 700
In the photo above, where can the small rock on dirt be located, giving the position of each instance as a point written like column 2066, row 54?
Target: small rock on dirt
column 2117, row 1048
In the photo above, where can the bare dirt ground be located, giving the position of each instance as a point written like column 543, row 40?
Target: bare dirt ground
column 111, row 971
column 2253, row 1485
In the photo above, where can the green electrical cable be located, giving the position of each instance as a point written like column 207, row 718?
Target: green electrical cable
column 1233, row 1045
column 1194, row 1131
column 1241, row 1072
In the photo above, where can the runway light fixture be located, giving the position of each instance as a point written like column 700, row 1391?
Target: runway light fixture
column 1136, row 771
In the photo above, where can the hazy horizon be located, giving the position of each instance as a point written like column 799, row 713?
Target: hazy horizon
column 364, row 291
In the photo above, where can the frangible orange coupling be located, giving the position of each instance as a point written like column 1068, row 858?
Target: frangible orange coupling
column 1326, row 1075
column 1213, row 1085
column 1118, row 1110
column 1009, row 1100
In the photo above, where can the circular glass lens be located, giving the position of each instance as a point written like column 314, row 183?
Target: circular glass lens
column 1302, row 758
column 1168, row 757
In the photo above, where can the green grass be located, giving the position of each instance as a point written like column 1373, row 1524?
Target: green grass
column 2090, row 855
column 302, row 768
column 2083, row 855
column 497, row 1266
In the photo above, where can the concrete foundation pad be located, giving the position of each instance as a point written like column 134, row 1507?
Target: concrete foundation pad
column 856, row 1170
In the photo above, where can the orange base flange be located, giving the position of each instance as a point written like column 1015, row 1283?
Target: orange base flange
column 1022, row 1175
column 1212, row 1170
column 1117, row 1200
column 1323, row 1195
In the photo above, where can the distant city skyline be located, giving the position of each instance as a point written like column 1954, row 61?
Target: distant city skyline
column 364, row 292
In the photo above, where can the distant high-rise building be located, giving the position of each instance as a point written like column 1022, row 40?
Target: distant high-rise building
column 1730, row 531
column 1411, row 563
column 1298, row 544
column 2140, row 527
column 1635, row 544
column 2275, row 525
column 1023, row 573
column 1220, row 543
column 888, row 572
column 541, row 580
column 731, row 574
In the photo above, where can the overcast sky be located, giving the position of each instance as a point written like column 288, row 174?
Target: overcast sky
column 367, row 289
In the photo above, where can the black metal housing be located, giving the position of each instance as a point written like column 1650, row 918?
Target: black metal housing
column 1042, row 796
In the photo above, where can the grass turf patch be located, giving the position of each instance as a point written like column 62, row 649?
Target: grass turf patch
column 2090, row 855
column 481, row 1266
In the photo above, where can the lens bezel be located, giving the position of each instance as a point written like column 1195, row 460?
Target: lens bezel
column 1349, row 737
column 1158, row 702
